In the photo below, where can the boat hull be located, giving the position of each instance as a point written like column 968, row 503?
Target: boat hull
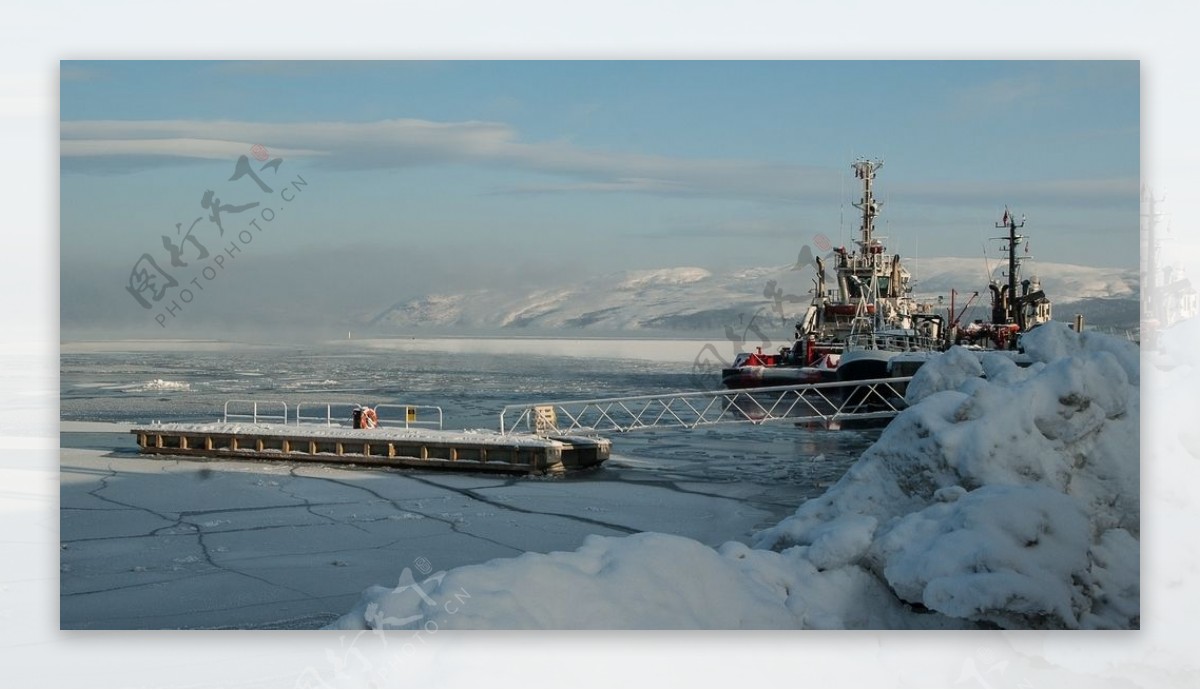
column 907, row 363
column 862, row 365
column 859, row 365
column 762, row 377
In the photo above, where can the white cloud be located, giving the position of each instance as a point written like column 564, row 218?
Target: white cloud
column 176, row 147
column 408, row 142
column 1002, row 92
column 1041, row 86
column 403, row 143
column 973, row 192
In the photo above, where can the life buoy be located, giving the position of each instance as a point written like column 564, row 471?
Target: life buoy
column 365, row 418
column 370, row 420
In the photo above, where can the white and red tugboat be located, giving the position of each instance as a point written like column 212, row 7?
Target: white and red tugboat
column 848, row 327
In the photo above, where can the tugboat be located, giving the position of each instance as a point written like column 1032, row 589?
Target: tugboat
column 849, row 332
column 1012, row 313
column 896, row 325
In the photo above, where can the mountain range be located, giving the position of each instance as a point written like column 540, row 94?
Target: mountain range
column 696, row 299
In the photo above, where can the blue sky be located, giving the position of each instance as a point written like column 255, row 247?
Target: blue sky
column 426, row 176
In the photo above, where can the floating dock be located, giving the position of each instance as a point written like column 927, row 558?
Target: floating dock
column 471, row 450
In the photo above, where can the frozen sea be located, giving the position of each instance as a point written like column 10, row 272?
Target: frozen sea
column 186, row 543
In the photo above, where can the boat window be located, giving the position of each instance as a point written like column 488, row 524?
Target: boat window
column 883, row 285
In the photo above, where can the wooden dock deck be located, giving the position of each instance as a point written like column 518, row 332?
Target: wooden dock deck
column 472, row 450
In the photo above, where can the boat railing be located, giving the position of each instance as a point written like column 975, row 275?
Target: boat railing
column 248, row 410
column 892, row 342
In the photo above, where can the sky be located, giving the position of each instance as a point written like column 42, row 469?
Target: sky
column 391, row 180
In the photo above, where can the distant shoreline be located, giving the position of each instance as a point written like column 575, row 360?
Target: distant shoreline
column 651, row 348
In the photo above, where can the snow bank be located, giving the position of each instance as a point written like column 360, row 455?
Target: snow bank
column 947, row 372
column 1007, row 501
column 644, row 581
column 1004, row 500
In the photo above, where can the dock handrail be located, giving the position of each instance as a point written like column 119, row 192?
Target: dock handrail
column 254, row 415
column 390, row 414
column 408, row 415
column 329, row 419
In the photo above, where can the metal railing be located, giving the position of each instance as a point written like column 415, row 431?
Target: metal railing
column 829, row 404
column 343, row 418
column 409, row 415
column 312, row 412
column 892, row 342
column 254, row 415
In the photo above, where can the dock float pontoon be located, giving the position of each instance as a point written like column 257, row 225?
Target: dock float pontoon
column 470, row 450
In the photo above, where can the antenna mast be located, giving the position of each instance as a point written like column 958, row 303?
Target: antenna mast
column 1009, row 222
column 864, row 169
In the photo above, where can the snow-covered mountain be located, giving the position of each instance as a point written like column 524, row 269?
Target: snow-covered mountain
column 1062, row 282
column 694, row 299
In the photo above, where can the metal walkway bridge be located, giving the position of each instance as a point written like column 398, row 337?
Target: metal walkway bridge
column 826, row 404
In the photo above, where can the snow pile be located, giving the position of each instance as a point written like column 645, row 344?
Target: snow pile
column 948, row 372
column 644, row 581
column 1011, row 500
column 1007, row 501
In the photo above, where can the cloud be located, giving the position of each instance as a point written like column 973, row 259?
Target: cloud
column 387, row 143
column 1042, row 86
column 316, row 68
column 624, row 184
column 108, row 145
column 74, row 71
column 1001, row 92
column 185, row 148
column 405, row 143
column 1098, row 191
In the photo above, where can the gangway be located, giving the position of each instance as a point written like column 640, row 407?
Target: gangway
column 827, row 404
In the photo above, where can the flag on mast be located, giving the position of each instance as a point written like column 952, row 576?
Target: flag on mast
column 1004, row 220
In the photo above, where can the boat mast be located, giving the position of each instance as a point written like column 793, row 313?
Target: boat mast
column 864, row 169
column 1014, row 264
column 870, row 251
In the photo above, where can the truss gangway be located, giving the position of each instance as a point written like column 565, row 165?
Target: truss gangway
column 826, row 404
